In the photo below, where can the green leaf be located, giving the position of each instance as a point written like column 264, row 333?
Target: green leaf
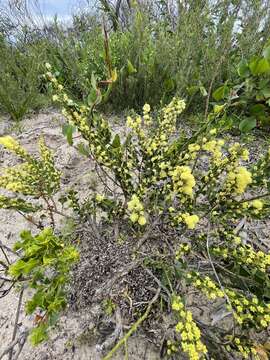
column 130, row 68
column 83, row 149
column 38, row 335
column 169, row 85
column 221, row 92
column 116, row 141
column 266, row 92
column 16, row 269
column 247, row 124
column 93, row 81
column 259, row 66
column 192, row 90
column 92, row 97
column 68, row 131
column 203, row 91
column 243, row 69
column 266, row 53
column 258, row 109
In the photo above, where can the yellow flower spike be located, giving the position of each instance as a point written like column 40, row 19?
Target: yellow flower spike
column 13, row 145
column 240, row 178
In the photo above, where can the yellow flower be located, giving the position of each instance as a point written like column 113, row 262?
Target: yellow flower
column 245, row 154
column 190, row 220
column 146, row 108
column 99, row 198
column 177, row 305
column 183, row 180
column 241, row 178
column 134, row 217
column 213, row 131
column 257, row 204
column 142, row 220
column 11, row 144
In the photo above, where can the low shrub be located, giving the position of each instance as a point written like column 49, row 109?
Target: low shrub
column 184, row 197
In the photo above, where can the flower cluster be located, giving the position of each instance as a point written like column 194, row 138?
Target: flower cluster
column 248, row 310
column 11, row 144
column 33, row 177
column 245, row 349
column 207, row 286
column 182, row 251
column 136, row 211
column 176, row 182
column 189, row 220
column 239, row 179
column 190, row 333
column 245, row 255
column 183, row 180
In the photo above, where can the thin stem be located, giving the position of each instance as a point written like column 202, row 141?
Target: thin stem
column 253, row 198
column 16, row 321
column 30, row 219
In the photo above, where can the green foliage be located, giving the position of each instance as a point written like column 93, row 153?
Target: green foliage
column 156, row 53
column 20, row 85
column 246, row 100
column 43, row 266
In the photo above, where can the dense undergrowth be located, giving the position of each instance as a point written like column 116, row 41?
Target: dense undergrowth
column 180, row 201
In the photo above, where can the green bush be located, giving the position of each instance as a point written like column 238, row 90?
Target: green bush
column 21, row 88
column 245, row 101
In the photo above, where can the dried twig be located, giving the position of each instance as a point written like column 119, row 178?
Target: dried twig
column 19, row 340
column 16, row 321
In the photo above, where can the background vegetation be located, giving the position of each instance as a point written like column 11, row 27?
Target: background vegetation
column 158, row 48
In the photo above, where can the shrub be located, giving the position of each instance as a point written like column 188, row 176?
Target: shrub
column 245, row 101
column 196, row 191
column 44, row 259
column 21, row 85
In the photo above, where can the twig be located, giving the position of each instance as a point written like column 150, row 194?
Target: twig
column 122, row 272
column 253, row 198
column 16, row 321
column 134, row 327
column 30, row 219
column 5, row 255
column 21, row 345
column 14, row 343
column 8, row 248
